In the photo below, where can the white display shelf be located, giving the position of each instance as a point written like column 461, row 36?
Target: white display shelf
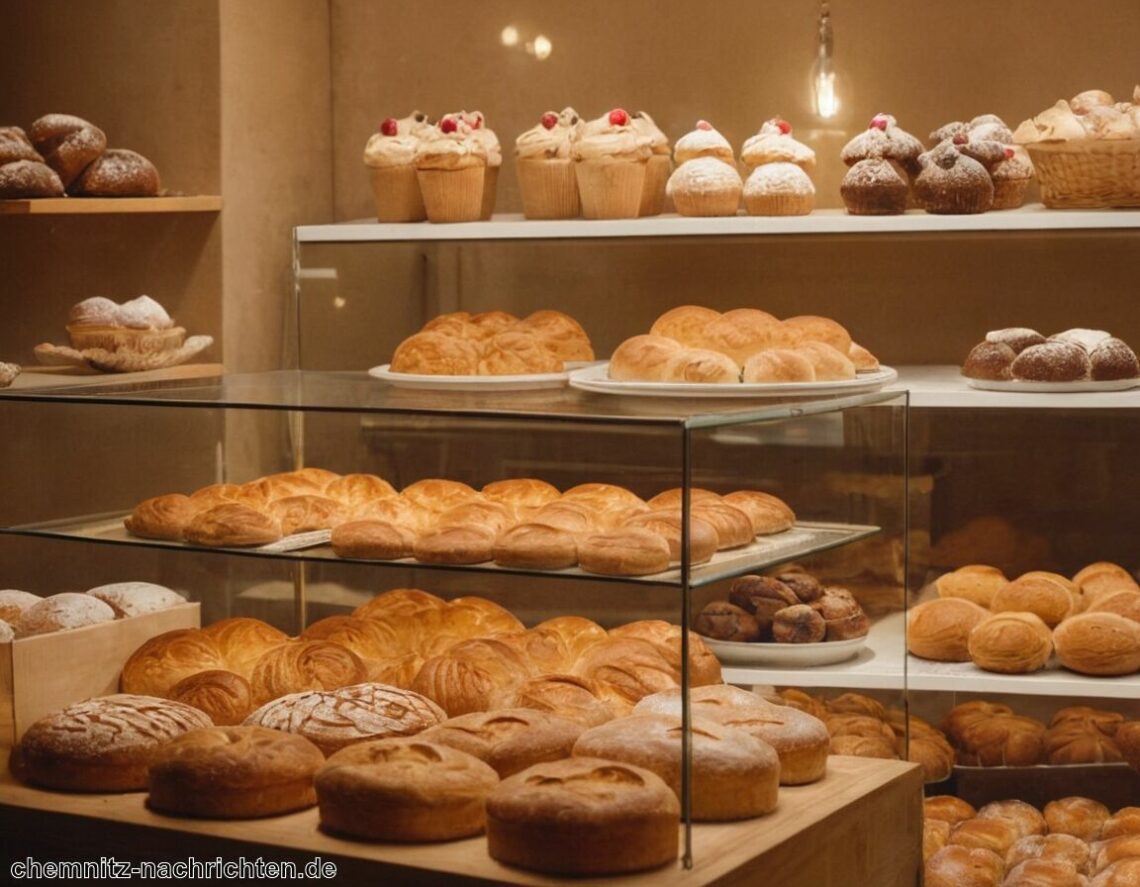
column 880, row 665
column 943, row 386
column 512, row 226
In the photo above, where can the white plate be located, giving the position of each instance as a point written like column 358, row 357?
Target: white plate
column 1053, row 387
column 771, row 653
column 472, row 383
column 596, row 378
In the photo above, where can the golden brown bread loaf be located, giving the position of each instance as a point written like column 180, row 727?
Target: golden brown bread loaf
column 565, row 695
column 1044, row 873
column 471, row 616
column 1099, row 644
column 1125, row 873
column 437, row 495
column 494, row 516
column 732, row 524
column 627, row 551
column 574, row 517
column 1011, row 643
column 543, row 648
column 624, row 670
column 1123, row 602
column 411, row 602
column 990, row 735
column 582, row 816
column 232, row 525
column 1103, row 576
column 509, row 740
column 165, row 659
column 515, row 352
column 455, row 545
column 224, row 696
column 684, row 324
column 333, row 719
column 436, row 353
column 996, row 835
column 233, row 773
column 523, row 495
column 241, row 640
column 948, row 809
column 1077, row 816
column 742, row 332
column 370, row 639
column 1056, row 846
column 300, row 665
column 935, row 834
column 704, row 667
column 701, row 366
column 101, row 745
column 735, row 775
column 403, row 790
column 1083, row 735
column 399, row 512
column 974, row 582
column 769, row 514
column 603, row 497
column 778, row 365
column 470, row 674
column 938, row 629
column 161, row 517
column 14, row 602
column 560, row 332
column 306, row 513
column 1125, row 821
column 643, row 358
column 578, row 632
column 961, row 866
column 1105, row 852
column 1039, row 593
column 62, row 612
column 703, row 539
column 1025, row 817
column 354, row 490
column 1128, row 740
column 536, row 546
column 372, row 539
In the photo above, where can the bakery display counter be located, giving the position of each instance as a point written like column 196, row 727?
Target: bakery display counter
column 859, row 825
column 57, row 206
column 882, row 663
column 1034, row 217
column 942, row 386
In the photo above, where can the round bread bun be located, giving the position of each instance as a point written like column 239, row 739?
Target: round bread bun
column 961, row 866
column 1105, row 852
column 935, row 834
column 628, row 551
column 735, row 775
column 1124, row 873
column 515, row 352
column 307, row 513
column 438, row 495
column 704, row 667
column 1053, row 846
column 372, row 540
column 1101, row 576
column 370, row 639
column 68, row 144
column 564, row 695
column 523, row 495
column 22, row 179
column 118, row 172
column 574, row 517
column 161, row 517
column 725, row 621
column 560, row 332
column 938, row 629
column 15, row 145
column 603, row 497
column 769, row 514
column 101, row 745
column 643, row 359
column 471, row 616
column 14, row 602
column 1011, row 643
column 1125, row 821
column 354, row 490
column 300, row 665
column 334, row 719
column 1026, row 817
column 408, row 602
column 1099, row 644
column 165, row 659
column 578, row 632
column 224, row 696
column 470, row 674
column 405, row 790
column 974, row 582
column 703, row 539
column 481, row 513
column 1037, row 593
column 242, row 640
column 509, row 740
column 1078, row 816
column 701, row 365
column 1124, row 603
column 535, row 546
column 398, row 511
column 62, row 612
column 947, row 808
column 136, row 598
column 233, row 773
column 436, row 353
column 778, row 365
column 821, row 329
column 997, row 835
column 544, row 648
column 582, row 816
column 455, row 545
column 671, row 499
column 232, row 525
column 1051, row 872
column 684, row 324
column 742, row 332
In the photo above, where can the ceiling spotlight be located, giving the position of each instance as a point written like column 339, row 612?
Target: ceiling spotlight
column 509, row 36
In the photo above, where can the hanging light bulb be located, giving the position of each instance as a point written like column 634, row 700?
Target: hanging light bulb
column 824, row 86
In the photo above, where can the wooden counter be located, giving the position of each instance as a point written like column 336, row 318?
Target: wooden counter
column 861, row 825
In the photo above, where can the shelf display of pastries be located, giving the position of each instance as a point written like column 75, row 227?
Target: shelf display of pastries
column 133, row 336
column 1073, row 840
column 524, row 523
column 1091, row 622
column 1072, row 359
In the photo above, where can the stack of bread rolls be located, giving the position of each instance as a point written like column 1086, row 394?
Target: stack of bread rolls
column 493, row 343
column 1091, row 621
column 1072, row 842
column 692, row 343
column 524, row 523
column 862, row 726
column 791, row 607
column 23, row 614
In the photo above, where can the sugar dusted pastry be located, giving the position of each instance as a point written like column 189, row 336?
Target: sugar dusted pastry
column 703, row 141
column 611, row 158
column 389, row 156
column 953, row 183
column 706, row 183
column 137, row 325
column 1011, row 176
column 547, row 182
column 873, row 187
column 658, row 167
column 774, row 144
column 8, row 373
column 886, row 140
column 779, row 189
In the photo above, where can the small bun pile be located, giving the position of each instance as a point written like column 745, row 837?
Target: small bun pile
column 1075, row 355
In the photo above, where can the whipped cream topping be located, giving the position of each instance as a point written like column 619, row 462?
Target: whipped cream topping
column 703, row 175
column 772, row 145
column 600, row 138
column 781, row 177
column 1054, row 124
column 398, row 149
column 644, row 126
column 484, row 142
column 702, row 143
column 539, row 143
column 448, row 150
column 142, row 313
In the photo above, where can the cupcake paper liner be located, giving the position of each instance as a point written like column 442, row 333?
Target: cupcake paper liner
column 549, row 189
column 396, row 192
column 452, row 195
column 610, row 188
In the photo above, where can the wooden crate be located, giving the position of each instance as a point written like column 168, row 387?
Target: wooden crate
column 47, row 672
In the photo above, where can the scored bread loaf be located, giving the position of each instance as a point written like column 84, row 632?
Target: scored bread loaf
column 300, row 665
column 233, row 772
column 1045, row 595
column 544, row 648
column 974, row 582
column 1054, row 846
column 165, row 659
column 625, row 670
column 536, row 546
column 960, row 866
column 1077, row 816
column 136, row 598
column 997, row 835
column 628, row 551
column 938, row 629
column 704, row 667
column 565, row 695
column 1011, row 643
column 1099, row 643
column 62, row 612
column 947, row 808
column 242, row 639
column 1025, row 817
column 470, row 674
column 510, row 739
column 224, row 696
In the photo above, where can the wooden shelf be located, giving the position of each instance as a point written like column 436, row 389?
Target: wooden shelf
column 57, row 377
column 65, row 206
column 861, row 824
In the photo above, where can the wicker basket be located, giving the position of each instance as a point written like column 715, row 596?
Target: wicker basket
column 1088, row 175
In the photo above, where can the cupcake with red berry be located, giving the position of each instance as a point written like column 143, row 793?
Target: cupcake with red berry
column 485, row 143
column 658, row 168
column 705, row 182
column 610, row 160
column 885, row 139
column 389, row 156
column 883, row 160
column 451, row 169
column 774, row 143
column 779, row 184
column 1011, row 176
column 952, row 182
column 547, row 182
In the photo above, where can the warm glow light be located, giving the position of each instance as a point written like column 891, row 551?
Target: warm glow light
column 825, row 101
column 509, row 36
column 824, row 80
column 542, row 47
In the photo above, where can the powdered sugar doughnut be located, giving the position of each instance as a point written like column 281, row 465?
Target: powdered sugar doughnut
column 1016, row 337
column 1087, row 339
column 1055, row 361
column 1113, row 359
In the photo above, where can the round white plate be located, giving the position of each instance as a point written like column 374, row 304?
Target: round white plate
column 596, row 378
column 471, row 383
column 771, row 653
column 1053, row 387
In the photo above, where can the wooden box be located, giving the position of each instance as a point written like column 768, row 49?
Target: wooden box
column 47, row 672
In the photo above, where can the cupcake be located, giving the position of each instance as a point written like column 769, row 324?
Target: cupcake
column 705, row 182
column 951, row 183
column 547, row 181
column 885, row 140
column 779, row 189
column 610, row 161
column 873, row 187
column 485, row 144
column 1011, row 177
column 657, row 170
column 390, row 158
column 451, row 172
column 774, row 144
